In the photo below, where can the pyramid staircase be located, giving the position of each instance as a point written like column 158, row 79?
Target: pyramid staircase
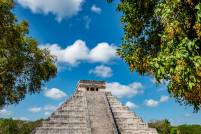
column 93, row 112
column 126, row 121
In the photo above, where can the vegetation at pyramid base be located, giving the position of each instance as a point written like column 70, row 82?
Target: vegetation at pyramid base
column 162, row 38
column 162, row 126
column 10, row 126
column 165, row 127
column 23, row 66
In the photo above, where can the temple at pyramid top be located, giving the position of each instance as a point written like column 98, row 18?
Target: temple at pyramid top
column 90, row 85
column 91, row 110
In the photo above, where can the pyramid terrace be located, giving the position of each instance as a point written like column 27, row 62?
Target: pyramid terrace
column 92, row 110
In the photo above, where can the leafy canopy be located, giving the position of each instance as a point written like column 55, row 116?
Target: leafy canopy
column 163, row 38
column 165, row 127
column 11, row 126
column 162, row 126
column 23, row 66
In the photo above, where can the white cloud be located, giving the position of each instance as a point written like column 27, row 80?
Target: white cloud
column 61, row 8
column 96, row 9
column 54, row 93
column 155, row 103
column 154, row 81
column 151, row 103
column 49, row 108
column 47, row 113
column 78, row 51
column 164, row 98
column 71, row 54
column 131, row 105
column 120, row 90
column 35, row 109
column 103, row 52
column 5, row 113
column 101, row 71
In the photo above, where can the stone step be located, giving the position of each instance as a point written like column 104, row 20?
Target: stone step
column 57, row 118
column 124, row 117
column 139, row 131
column 72, row 108
column 79, row 104
column 101, row 131
column 76, row 111
column 100, row 121
column 119, row 107
column 66, row 125
column 128, row 121
column 124, row 114
column 60, row 130
column 65, row 122
column 135, row 127
column 69, row 114
column 67, row 119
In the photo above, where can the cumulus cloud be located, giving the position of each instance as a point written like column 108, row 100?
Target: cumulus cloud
column 78, row 51
column 164, row 98
column 151, row 103
column 35, row 109
column 54, row 93
column 47, row 110
column 96, row 9
column 103, row 52
column 131, row 105
column 155, row 103
column 101, row 71
column 5, row 113
column 121, row 90
column 50, row 108
column 61, row 8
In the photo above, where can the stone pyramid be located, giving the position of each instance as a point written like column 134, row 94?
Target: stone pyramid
column 91, row 110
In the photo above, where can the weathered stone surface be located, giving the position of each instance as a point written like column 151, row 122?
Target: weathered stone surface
column 126, row 121
column 93, row 112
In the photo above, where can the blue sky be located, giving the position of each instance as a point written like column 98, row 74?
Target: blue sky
column 84, row 34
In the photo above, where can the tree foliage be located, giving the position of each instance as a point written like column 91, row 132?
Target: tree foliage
column 163, row 38
column 162, row 126
column 23, row 66
column 10, row 126
column 189, row 129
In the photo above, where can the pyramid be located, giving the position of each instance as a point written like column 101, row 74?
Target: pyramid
column 92, row 110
